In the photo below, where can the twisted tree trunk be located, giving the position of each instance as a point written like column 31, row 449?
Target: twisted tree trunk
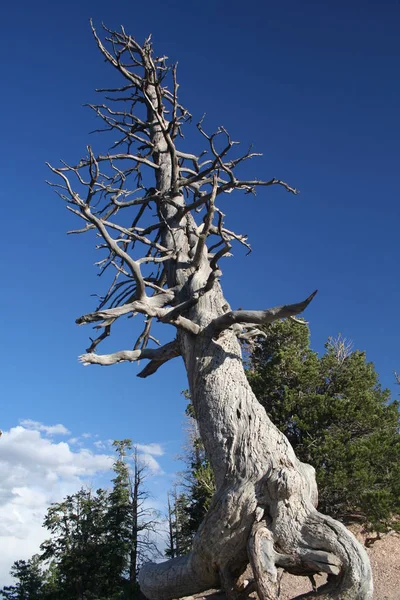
column 263, row 511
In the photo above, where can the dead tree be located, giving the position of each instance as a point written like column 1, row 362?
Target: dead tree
column 155, row 209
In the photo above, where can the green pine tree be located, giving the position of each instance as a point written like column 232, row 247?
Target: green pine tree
column 77, row 546
column 337, row 418
column 180, row 534
column 130, row 522
column 29, row 581
column 97, row 542
column 119, row 519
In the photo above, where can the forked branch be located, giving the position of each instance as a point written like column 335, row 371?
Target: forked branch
column 258, row 317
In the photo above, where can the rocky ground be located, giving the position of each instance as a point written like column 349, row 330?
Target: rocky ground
column 384, row 554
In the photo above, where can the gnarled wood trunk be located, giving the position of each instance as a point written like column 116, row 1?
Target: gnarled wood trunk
column 263, row 511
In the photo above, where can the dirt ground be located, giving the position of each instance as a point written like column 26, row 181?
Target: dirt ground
column 384, row 555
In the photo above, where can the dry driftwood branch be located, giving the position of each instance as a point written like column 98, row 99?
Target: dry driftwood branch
column 259, row 317
column 151, row 309
column 160, row 355
column 166, row 266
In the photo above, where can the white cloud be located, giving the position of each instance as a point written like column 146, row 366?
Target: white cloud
column 100, row 445
column 147, row 452
column 73, row 440
column 47, row 429
column 86, row 435
column 150, row 462
column 153, row 449
column 34, row 472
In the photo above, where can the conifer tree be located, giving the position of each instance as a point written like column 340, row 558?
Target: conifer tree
column 180, row 534
column 118, row 518
column 29, row 581
column 98, row 540
column 337, row 418
column 77, row 545
column 130, row 521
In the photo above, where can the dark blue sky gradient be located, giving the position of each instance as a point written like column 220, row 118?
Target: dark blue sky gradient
column 315, row 86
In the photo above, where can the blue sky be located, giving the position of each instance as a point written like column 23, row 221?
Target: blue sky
column 314, row 86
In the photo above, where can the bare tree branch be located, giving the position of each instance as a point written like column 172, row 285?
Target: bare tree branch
column 258, row 317
column 161, row 355
column 152, row 307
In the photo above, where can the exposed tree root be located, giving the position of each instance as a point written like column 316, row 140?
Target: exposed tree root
column 324, row 546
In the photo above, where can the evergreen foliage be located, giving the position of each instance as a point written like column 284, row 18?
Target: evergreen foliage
column 77, row 544
column 337, row 418
column 180, row 533
column 97, row 541
column 29, row 580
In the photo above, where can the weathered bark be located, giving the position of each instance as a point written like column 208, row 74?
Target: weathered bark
column 264, row 510
column 258, row 479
